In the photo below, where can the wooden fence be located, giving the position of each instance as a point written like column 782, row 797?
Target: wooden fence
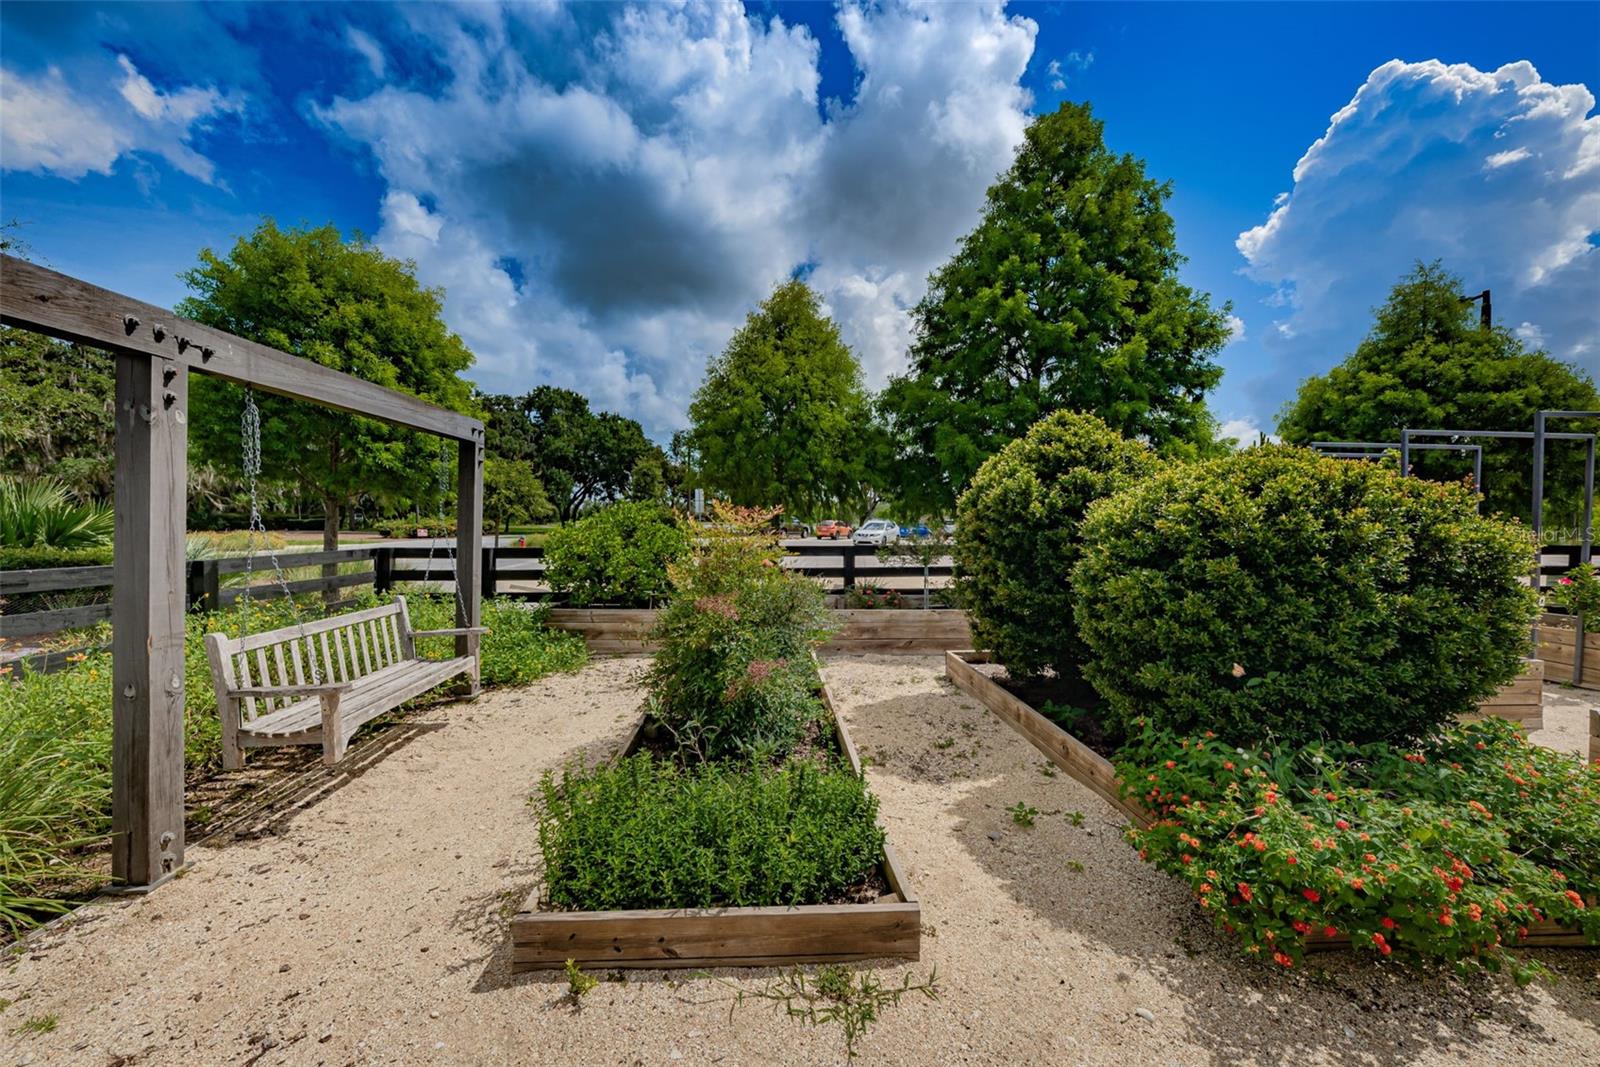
column 507, row 570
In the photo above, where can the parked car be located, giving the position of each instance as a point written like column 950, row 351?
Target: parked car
column 919, row 530
column 877, row 532
column 793, row 528
column 833, row 528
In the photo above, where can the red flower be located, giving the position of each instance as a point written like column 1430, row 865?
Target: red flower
column 1283, row 960
column 1311, row 895
column 1383, row 946
column 1244, row 891
column 1388, row 923
column 1341, row 824
column 1577, row 901
column 1330, row 931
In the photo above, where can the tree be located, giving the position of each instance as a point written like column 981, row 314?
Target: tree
column 647, row 482
column 781, row 416
column 579, row 455
column 1427, row 363
column 344, row 305
column 1065, row 296
column 56, row 415
column 511, row 493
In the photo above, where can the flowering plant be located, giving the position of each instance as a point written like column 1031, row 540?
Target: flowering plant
column 1579, row 592
column 867, row 595
column 1450, row 850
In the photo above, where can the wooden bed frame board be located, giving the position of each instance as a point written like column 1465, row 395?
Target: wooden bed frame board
column 1089, row 768
column 890, row 928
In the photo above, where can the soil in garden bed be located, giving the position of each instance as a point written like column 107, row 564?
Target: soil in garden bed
column 818, row 744
column 1069, row 702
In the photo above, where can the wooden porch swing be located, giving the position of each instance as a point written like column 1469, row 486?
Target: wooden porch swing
column 316, row 683
column 310, row 669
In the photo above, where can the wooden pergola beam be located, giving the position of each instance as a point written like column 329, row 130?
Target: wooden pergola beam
column 45, row 301
column 154, row 352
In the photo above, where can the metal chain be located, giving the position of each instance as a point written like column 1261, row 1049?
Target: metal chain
column 250, row 432
column 444, row 487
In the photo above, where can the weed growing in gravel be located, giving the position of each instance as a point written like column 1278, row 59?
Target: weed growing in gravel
column 1075, row 818
column 835, row 995
column 579, row 983
column 944, row 743
column 38, row 1024
column 1022, row 814
column 1074, row 866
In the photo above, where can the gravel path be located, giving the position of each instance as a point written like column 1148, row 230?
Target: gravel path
column 369, row 926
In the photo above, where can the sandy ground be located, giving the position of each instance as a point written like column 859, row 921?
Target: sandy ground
column 366, row 923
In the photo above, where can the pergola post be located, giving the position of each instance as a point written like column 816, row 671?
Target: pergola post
column 469, row 545
column 147, row 605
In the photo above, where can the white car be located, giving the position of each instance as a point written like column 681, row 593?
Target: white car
column 877, row 532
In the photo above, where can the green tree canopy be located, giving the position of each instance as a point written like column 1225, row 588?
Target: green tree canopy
column 56, row 411
column 782, row 416
column 1428, row 363
column 347, row 306
column 511, row 494
column 580, row 456
column 1066, row 296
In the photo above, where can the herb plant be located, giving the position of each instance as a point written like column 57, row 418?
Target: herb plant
column 646, row 833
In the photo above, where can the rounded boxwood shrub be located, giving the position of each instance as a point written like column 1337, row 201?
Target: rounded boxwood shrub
column 1277, row 593
column 1019, row 535
column 616, row 555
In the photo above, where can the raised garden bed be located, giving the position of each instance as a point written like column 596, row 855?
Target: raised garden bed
column 911, row 631
column 1557, row 647
column 1090, row 768
column 890, row 927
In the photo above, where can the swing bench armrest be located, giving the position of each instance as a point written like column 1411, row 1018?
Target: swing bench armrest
column 459, row 631
column 288, row 690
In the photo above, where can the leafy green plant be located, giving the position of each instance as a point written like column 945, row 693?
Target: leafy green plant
column 1020, row 526
column 1281, row 593
column 37, row 1024
column 41, row 513
column 579, row 984
column 617, row 554
column 1579, row 592
column 37, row 556
column 836, row 995
column 1449, row 850
column 646, row 833
column 1022, row 814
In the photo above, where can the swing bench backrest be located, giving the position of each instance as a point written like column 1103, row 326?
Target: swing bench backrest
column 317, row 682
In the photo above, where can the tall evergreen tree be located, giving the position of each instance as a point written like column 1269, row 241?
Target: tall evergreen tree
column 782, row 417
column 1065, row 296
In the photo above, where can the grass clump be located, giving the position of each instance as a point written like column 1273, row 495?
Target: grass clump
column 647, row 833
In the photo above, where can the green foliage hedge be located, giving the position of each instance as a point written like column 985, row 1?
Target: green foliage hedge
column 1448, row 851
column 645, row 833
column 1020, row 536
column 616, row 555
column 1278, row 593
column 18, row 558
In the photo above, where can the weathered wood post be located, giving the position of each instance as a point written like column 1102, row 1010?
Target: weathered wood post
column 469, row 542
column 147, row 603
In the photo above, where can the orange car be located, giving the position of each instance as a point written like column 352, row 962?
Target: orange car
column 832, row 528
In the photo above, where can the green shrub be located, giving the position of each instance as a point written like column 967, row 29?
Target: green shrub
column 407, row 526
column 643, row 833
column 16, row 558
column 616, row 555
column 1449, row 851
column 1019, row 523
column 42, row 513
column 867, row 595
column 734, row 675
column 517, row 650
column 1278, row 593
column 1579, row 592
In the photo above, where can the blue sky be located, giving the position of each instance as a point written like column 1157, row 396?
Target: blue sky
column 604, row 191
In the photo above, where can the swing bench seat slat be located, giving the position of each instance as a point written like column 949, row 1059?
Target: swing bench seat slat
column 347, row 670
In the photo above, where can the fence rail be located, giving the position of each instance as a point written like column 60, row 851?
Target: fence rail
column 216, row 582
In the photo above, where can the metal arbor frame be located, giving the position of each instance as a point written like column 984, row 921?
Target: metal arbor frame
column 1538, row 436
column 155, row 351
column 1345, row 450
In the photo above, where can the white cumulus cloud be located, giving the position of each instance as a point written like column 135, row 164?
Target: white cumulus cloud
column 1497, row 173
column 72, row 128
column 608, row 226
